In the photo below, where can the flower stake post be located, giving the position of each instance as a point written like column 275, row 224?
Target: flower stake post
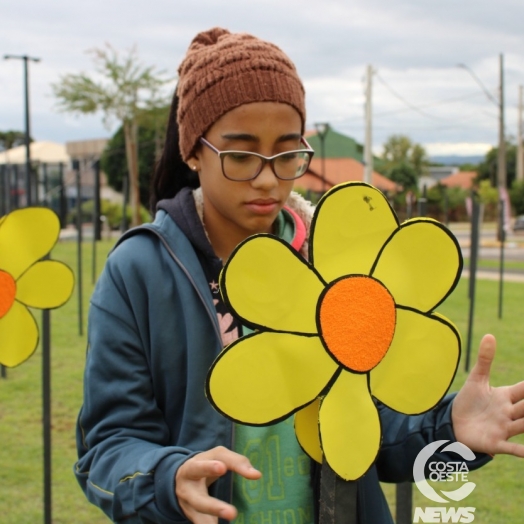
column 352, row 325
column 27, row 281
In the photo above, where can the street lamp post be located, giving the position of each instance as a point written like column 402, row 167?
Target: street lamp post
column 322, row 130
column 26, row 59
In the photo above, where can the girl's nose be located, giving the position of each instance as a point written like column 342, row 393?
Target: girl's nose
column 266, row 178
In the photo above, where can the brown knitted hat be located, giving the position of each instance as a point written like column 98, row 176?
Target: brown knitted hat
column 222, row 71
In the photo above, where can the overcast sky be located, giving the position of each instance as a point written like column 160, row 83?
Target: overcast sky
column 414, row 46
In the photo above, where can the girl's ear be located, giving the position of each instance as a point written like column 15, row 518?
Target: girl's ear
column 194, row 164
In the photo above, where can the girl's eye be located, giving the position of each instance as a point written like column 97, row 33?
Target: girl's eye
column 287, row 157
column 239, row 157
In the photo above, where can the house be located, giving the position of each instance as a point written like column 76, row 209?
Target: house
column 462, row 179
column 338, row 158
column 338, row 170
column 437, row 173
column 53, row 178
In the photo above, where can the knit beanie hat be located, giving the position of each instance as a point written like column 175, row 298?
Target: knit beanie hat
column 223, row 70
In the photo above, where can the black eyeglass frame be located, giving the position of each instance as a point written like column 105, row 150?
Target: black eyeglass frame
column 265, row 159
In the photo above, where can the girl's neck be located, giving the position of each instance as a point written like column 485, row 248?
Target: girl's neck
column 224, row 238
column 223, row 245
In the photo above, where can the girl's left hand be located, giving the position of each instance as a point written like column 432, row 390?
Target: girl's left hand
column 484, row 417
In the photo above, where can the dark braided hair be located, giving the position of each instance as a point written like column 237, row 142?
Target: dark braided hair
column 171, row 173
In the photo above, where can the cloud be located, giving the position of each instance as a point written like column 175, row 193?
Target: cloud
column 457, row 148
column 414, row 45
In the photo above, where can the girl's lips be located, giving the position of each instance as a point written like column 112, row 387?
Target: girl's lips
column 262, row 207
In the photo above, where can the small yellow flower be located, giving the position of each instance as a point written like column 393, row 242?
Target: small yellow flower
column 354, row 322
column 27, row 235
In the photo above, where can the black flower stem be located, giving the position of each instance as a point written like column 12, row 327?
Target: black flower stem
column 338, row 498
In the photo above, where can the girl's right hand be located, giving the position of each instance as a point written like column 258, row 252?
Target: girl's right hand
column 194, row 477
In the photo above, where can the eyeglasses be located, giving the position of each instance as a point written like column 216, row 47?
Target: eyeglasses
column 244, row 165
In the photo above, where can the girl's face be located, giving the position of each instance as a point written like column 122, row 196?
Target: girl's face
column 235, row 210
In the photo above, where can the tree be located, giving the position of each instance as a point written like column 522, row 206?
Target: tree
column 401, row 150
column 404, row 174
column 517, row 196
column 447, row 203
column 126, row 88
column 151, row 131
column 9, row 139
column 487, row 170
column 489, row 196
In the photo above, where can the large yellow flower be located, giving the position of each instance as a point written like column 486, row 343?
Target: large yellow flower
column 27, row 235
column 355, row 321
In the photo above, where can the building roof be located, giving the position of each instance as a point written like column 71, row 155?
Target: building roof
column 440, row 172
column 336, row 145
column 43, row 152
column 463, row 179
column 340, row 170
column 80, row 149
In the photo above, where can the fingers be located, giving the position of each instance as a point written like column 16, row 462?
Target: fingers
column 215, row 463
column 516, row 428
column 235, row 462
column 200, row 508
column 195, row 476
column 480, row 371
column 517, row 395
column 202, row 469
column 512, row 448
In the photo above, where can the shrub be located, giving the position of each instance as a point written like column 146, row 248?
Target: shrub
column 111, row 210
column 516, row 195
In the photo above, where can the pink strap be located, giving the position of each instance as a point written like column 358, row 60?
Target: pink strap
column 300, row 230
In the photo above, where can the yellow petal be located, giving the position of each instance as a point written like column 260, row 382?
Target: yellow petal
column 308, row 431
column 420, row 364
column 19, row 335
column 420, row 264
column 349, row 426
column 26, row 235
column 46, row 284
column 351, row 224
column 269, row 285
column 263, row 378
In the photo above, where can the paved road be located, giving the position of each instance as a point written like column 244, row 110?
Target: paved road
column 489, row 248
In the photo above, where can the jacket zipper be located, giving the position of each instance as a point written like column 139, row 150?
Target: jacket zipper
column 212, row 316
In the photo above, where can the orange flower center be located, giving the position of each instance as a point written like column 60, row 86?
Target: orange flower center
column 7, row 292
column 357, row 319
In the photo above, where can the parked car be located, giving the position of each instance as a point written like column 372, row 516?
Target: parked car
column 519, row 223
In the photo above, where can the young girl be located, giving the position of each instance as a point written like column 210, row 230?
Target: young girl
column 151, row 448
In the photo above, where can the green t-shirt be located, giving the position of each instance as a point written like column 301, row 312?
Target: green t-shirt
column 283, row 495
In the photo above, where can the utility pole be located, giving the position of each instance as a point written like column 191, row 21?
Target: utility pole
column 368, row 145
column 504, row 208
column 520, row 148
column 26, row 59
column 501, row 170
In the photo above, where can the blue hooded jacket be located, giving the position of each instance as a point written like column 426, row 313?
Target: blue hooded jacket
column 145, row 410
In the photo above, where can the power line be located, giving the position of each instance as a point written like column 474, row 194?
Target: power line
column 432, row 104
column 403, row 100
column 479, row 82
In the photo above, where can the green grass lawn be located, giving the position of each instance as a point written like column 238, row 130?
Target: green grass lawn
column 497, row 496
column 21, row 455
